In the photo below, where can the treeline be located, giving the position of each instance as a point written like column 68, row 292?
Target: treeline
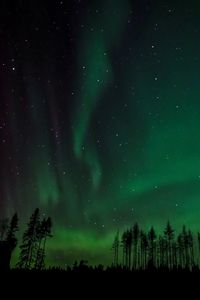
column 145, row 250
column 33, row 246
column 134, row 249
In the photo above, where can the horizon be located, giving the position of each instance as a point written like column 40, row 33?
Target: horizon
column 90, row 249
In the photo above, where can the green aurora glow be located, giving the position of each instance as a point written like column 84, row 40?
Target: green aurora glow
column 114, row 141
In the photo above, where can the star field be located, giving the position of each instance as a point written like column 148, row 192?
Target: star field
column 99, row 118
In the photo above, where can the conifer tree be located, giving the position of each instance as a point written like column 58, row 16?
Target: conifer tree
column 29, row 242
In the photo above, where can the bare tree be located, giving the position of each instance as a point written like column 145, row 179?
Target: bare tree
column 115, row 248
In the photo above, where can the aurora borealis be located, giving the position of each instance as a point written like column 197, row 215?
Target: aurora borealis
column 99, row 118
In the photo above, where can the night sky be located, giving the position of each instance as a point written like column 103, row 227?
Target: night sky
column 99, row 118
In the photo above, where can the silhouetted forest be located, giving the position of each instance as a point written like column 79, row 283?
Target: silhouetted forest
column 133, row 251
column 33, row 246
column 148, row 250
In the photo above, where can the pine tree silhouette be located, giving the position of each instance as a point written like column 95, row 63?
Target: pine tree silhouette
column 135, row 238
column 29, row 243
column 115, row 248
column 152, row 247
column 43, row 232
column 169, row 236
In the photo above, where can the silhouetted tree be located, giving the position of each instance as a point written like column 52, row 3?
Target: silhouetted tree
column 152, row 244
column 169, row 236
column 143, row 249
column 43, row 232
column 29, row 243
column 185, row 247
column 11, row 238
column 11, row 233
column 115, row 248
column 181, row 251
column 191, row 249
column 127, row 247
column 174, row 254
column 124, row 249
column 135, row 239
column 161, row 251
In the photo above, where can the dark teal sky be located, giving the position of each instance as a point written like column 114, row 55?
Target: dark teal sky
column 100, row 118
